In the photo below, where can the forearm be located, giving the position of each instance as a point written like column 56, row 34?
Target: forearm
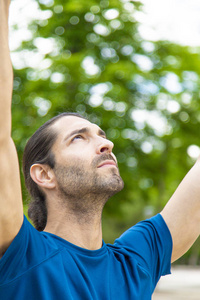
column 182, row 212
column 5, row 62
column 6, row 72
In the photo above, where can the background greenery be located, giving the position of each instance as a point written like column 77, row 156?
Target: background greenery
column 144, row 94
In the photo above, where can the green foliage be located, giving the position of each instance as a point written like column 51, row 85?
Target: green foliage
column 143, row 94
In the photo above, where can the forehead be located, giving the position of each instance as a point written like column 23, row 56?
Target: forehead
column 68, row 124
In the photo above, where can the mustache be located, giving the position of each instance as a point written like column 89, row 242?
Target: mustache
column 99, row 159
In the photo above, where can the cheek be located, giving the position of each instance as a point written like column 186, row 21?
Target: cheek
column 75, row 155
column 75, row 160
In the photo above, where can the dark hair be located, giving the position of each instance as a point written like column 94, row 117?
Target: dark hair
column 38, row 150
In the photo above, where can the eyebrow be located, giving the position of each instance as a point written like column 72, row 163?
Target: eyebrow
column 84, row 130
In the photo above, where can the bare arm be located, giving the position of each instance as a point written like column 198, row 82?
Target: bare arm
column 182, row 212
column 11, row 209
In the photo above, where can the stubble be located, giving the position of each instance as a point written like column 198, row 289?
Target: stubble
column 86, row 189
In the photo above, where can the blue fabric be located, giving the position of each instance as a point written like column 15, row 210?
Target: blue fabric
column 42, row 266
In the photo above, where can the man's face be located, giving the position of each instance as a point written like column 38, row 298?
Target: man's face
column 84, row 160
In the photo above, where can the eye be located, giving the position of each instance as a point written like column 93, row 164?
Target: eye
column 77, row 137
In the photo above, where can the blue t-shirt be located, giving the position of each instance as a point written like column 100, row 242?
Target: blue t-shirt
column 43, row 266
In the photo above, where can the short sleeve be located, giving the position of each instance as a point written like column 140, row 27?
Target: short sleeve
column 150, row 243
column 28, row 249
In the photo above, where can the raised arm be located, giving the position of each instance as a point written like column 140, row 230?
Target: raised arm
column 11, row 209
column 182, row 212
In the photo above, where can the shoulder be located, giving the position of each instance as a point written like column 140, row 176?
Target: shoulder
column 28, row 249
column 149, row 243
column 154, row 227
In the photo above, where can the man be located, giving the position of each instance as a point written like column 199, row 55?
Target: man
column 71, row 172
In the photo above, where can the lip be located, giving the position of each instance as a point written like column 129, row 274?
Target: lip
column 107, row 163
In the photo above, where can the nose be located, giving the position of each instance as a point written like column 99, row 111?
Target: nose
column 104, row 146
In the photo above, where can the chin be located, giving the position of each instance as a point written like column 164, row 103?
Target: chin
column 115, row 185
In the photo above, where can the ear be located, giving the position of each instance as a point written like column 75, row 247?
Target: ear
column 43, row 175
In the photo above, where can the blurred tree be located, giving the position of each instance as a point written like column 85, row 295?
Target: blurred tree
column 88, row 56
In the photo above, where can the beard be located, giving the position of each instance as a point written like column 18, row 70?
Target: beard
column 83, row 185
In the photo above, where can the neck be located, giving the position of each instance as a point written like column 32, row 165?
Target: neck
column 80, row 227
